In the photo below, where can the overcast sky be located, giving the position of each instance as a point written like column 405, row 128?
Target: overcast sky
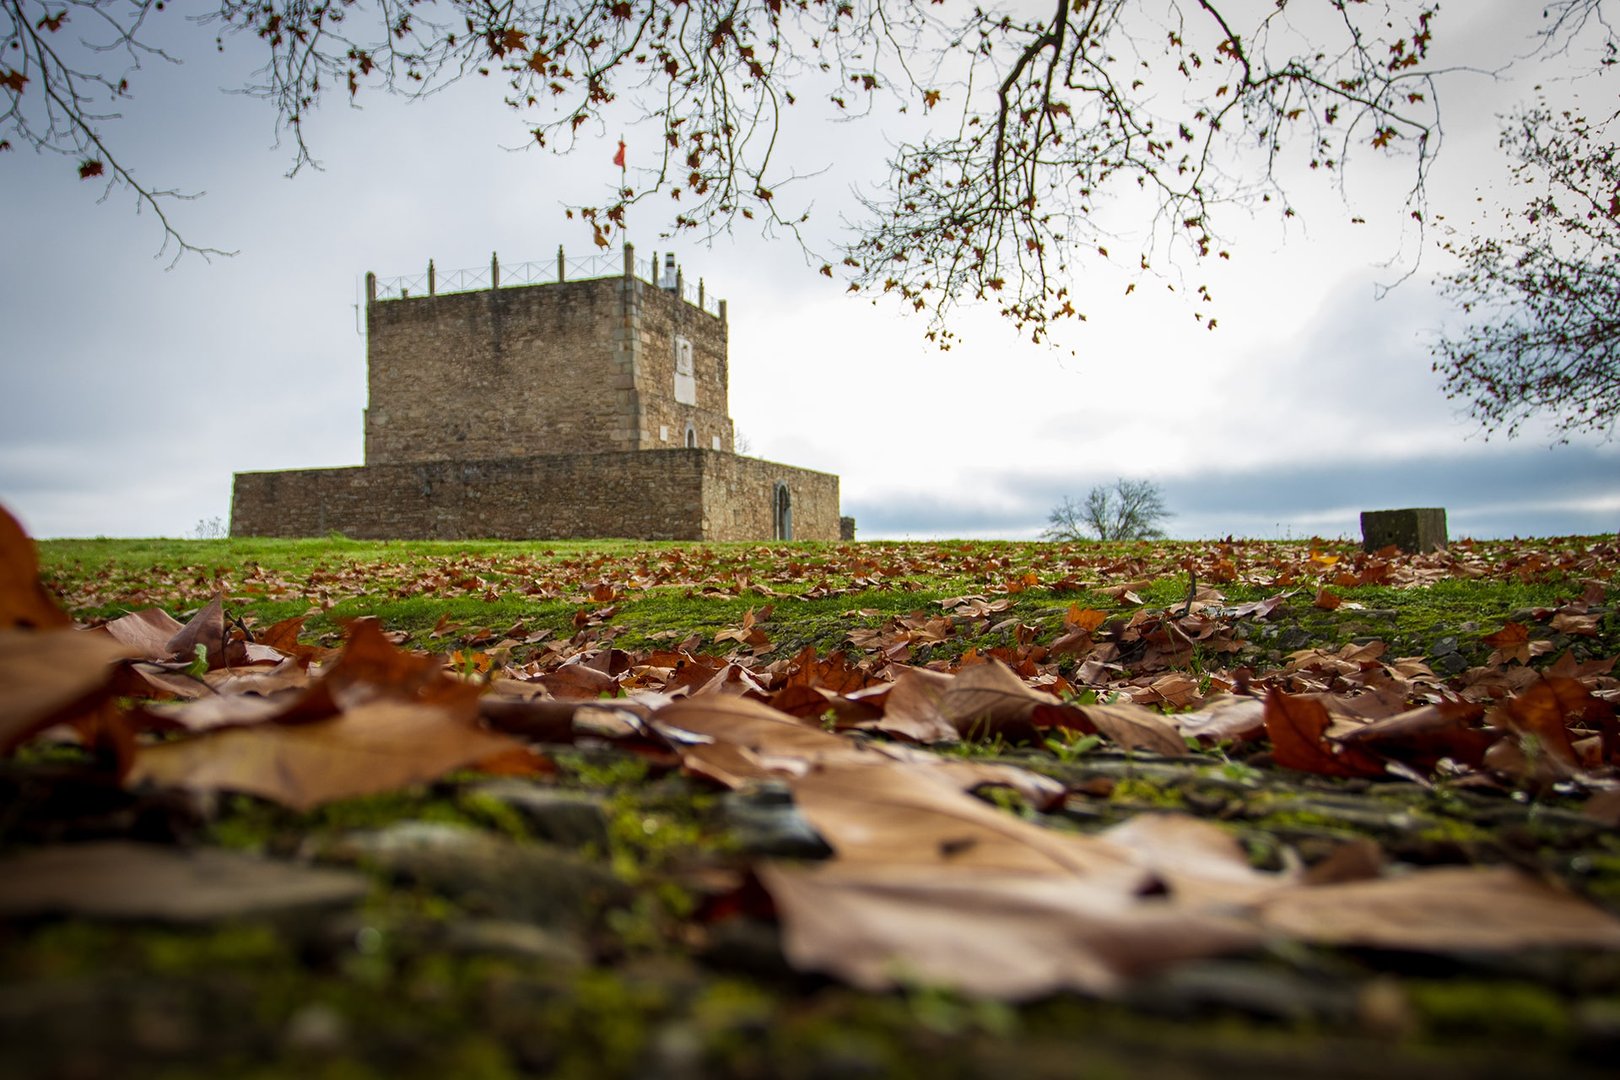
column 130, row 393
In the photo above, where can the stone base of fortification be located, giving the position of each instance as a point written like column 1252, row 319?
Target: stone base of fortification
column 645, row 495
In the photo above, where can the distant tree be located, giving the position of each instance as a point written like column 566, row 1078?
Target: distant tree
column 1125, row 510
column 1542, row 290
column 210, row 528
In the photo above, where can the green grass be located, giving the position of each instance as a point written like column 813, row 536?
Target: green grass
column 666, row 591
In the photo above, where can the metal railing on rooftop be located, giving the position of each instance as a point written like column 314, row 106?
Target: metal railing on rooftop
column 497, row 275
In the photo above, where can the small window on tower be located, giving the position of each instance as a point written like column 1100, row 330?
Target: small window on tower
column 685, row 379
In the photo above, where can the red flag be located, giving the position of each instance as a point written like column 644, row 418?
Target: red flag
column 618, row 159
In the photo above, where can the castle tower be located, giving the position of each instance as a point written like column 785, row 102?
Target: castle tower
column 603, row 364
column 510, row 407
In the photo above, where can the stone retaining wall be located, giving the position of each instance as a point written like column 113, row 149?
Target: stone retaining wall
column 647, row 495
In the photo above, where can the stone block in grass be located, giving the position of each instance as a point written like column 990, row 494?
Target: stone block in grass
column 1412, row 530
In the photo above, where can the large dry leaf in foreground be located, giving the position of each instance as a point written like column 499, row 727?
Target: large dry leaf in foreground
column 48, row 675
column 23, row 600
column 379, row 746
column 987, row 933
column 1441, row 910
column 895, row 813
column 1198, row 863
column 122, row 880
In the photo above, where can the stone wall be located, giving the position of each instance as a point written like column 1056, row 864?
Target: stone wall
column 739, row 494
column 514, row 372
column 669, row 495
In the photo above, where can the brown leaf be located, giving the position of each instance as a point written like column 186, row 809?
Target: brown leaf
column 988, row 700
column 1229, row 717
column 1357, row 860
column 49, row 676
column 912, row 709
column 895, row 813
column 1421, row 737
column 1297, row 727
column 147, row 632
column 1450, row 909
column 1195, row 861
column 23, row 600
column 1539, row 718
column 379, row 746
column 1512, row 642
column 1133, row 727
column 1086, row 619
column 778, row 742
column 987, row 933
column 121, row 880
column 370, row 667
column 205, row 628
column 1567, row 623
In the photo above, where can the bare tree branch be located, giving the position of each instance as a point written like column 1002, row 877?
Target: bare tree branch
column 1542, row 290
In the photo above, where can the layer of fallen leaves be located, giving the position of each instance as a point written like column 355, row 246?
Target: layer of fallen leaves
column 927, row 882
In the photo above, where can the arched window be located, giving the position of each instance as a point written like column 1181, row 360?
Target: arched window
column 782, row 512
column 691, row 437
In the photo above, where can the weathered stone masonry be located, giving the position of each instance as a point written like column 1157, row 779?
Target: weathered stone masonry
column 573, row 409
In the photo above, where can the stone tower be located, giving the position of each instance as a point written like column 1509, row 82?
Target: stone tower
column 604, row 364
column 511, row 408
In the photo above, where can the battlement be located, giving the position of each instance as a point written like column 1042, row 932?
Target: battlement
column 603, row 264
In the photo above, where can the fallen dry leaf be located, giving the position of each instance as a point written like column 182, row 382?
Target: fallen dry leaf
column 1539, row 719
column 778, row 743
column 24, row 601
column 912, row 708
column 989, row 700
column 1197, row 862
column 49, row 676
column 1133, row 727
column 147, row 632
column 1444, row 909
column 204, row 630
column 1298, row 727
column 987, row 933
column 116, row 879
column 1423, row 736
column 1229, row 717
column 377, row 746
column 897, row 813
